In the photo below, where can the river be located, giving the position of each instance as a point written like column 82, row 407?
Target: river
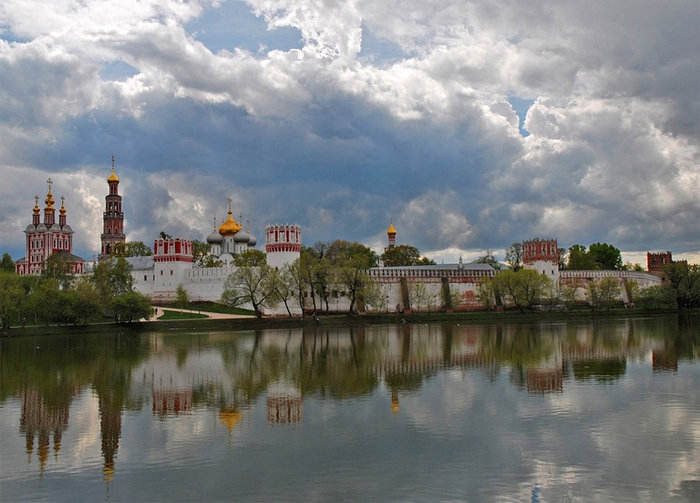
column 570, row 410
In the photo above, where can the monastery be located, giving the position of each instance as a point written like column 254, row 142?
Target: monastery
column 401, row 288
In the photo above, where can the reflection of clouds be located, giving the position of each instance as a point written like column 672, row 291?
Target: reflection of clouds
column 85, row 418
column 450, row 394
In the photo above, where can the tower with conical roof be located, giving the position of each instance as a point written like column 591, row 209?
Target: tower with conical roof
column 391, row 235
column 113, row 217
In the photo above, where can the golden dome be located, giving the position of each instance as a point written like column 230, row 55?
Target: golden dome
column 391, row 229
column 230, row 417
column 49, row 196
column 230, row 226
column 113, row 178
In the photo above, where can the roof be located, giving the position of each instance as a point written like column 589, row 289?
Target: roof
column 472, row 266
column 64, row 255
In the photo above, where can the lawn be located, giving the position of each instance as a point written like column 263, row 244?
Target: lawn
column 179, row 315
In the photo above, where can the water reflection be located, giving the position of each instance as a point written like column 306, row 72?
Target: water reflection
column 227, row 374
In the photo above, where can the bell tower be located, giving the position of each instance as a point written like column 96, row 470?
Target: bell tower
column 113, row 217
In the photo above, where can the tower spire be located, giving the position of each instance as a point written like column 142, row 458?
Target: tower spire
column 49, row 210
column 113, row 217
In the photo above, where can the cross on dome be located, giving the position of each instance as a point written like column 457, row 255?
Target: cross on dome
column 113, row 178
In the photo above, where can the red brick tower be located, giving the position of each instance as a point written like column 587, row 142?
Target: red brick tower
column 113, row 217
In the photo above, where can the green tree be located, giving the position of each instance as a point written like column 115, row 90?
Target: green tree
column 419, row 296
column 524, row 288
column 605, row 256
column 486, row 294
column 59, row 267
column 684, row 280
column 605, row 292
column 284, row 287
column 294, row 275
column 580, row 259
column 514, row 256
column 85, row 300
column 568, row 296
column 350, row 262
column 7, row 264
column 201, row 252
column 181, row 298
column 401, row 255
column 130, row 306
column 45, row 300
column 253, row 281
column 11, row 298
column 131, row 249
column 656, row 298
column 111, row 278
column 319, row 272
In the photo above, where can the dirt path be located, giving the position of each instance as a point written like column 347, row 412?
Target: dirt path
column 211, row 316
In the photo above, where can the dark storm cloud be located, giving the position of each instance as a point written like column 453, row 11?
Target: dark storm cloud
column 341, row 117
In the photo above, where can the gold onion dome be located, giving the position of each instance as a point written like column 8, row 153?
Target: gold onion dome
column 391, row 229
column 230, row 417
column 230, row 226
column 113, row 178
column 49, row 201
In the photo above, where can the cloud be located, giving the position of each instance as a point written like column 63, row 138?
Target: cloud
column 340, row 116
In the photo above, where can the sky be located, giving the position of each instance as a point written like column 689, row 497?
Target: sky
column 468, row 124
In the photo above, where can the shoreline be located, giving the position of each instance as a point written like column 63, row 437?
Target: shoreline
column 332, row 320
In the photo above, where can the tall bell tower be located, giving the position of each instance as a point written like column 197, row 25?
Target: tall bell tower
column 113, row 217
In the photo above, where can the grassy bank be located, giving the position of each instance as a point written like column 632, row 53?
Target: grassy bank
column 334, row 320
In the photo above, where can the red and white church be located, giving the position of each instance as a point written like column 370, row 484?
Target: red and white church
column 48, row 238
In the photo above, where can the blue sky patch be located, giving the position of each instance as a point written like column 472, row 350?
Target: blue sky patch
column 521, row 106
column 233, row 25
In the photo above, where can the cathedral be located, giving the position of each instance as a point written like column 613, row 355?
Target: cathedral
column 48, row 238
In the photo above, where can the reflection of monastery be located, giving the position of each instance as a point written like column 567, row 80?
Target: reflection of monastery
column 401, row 288
column 278, row 370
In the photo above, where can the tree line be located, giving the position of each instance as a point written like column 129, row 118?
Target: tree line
column 525, row 289
column 56, row 296
column 326, row 272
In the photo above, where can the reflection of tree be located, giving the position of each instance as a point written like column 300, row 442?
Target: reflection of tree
column 338, row 372
column 603, row 370
column 520, row 344
column 404, row 376
column 330, row 362
column 49, row 371
column 112, row 381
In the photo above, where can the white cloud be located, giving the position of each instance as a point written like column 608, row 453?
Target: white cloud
column 326, row 135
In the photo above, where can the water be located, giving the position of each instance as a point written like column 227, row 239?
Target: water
column 534, row 412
